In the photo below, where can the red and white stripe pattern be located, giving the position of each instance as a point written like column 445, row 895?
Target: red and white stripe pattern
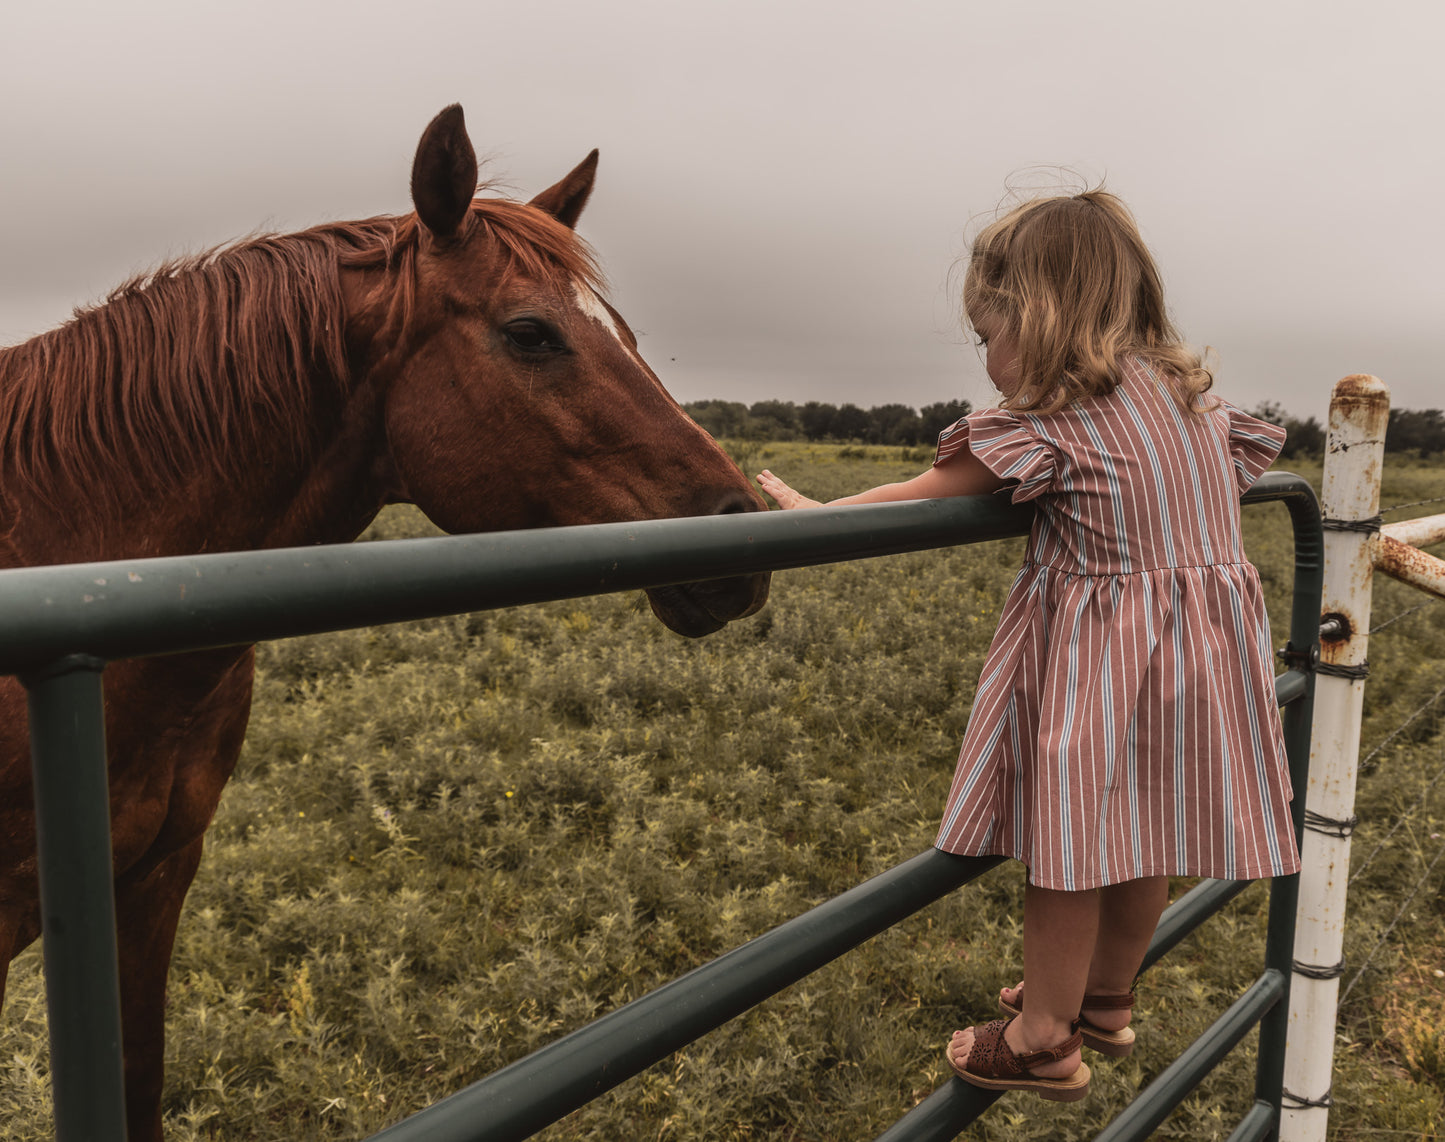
column 1125, row 724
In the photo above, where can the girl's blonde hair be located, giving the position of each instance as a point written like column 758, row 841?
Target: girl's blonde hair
column 1070, row 279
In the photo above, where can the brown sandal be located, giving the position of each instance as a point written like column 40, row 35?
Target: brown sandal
column 992, row 1064
column 1116, row 1044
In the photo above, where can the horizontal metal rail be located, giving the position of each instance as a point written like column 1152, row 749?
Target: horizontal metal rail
column 940, row 1116
column 533, row 1092
column 135, row 608
column 140, row 607
column 1199, row 1058
column 1188, row 912
column 1257, row 1124
column 1291, row 686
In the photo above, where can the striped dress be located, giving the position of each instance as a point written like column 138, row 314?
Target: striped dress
column 1125, row 724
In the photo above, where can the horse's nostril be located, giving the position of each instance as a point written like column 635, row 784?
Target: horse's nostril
column 734, row 502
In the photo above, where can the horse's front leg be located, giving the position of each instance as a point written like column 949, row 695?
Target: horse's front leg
column 175, row 727
column 148, row 908
column 18, row 927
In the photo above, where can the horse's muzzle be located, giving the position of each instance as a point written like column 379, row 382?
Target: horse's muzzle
column 696, row 609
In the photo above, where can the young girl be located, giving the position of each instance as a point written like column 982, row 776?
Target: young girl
column 1125, row 727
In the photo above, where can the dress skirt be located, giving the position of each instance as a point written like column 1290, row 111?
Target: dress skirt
column 1125, row 724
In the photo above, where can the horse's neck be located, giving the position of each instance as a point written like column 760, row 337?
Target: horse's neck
column 342, row 486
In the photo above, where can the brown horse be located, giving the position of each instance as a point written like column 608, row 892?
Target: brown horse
column 279, row 392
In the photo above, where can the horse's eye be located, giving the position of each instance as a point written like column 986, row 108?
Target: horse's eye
column 532, row 336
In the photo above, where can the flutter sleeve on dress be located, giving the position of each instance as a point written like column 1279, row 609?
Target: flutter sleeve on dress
column 1008, row 446
column 1253, row 444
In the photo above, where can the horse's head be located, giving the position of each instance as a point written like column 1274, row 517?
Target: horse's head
column 516, row 397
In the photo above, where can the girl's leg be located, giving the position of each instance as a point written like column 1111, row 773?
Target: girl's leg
column 1128, row 915
column 1060, row 933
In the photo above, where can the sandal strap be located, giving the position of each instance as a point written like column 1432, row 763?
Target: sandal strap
column 1094, row 1001
column 1052, row 1054
column 1108, row 1002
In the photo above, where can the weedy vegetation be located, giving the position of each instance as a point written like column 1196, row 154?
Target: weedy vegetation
column 449, row 843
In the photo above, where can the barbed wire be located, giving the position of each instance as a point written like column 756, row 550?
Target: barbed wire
column 1430, row 701
column 1402, row 615
column 1413, row 504
column 1399, row 824
column 1419, row 884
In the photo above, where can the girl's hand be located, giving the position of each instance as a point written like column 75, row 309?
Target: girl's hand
column 786, row 497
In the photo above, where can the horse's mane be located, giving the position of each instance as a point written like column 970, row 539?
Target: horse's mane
column 186, row 367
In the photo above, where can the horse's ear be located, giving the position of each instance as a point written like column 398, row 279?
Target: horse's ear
column 565, row 200
column 444, row 173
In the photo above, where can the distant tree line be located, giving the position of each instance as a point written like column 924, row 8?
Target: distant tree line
column 1419, row 431
column 820, row 421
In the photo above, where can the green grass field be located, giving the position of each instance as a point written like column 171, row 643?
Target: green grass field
column 449, row 843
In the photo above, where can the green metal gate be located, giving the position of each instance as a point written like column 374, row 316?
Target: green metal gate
column 59, row 626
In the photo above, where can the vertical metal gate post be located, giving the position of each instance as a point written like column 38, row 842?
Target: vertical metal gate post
column 1297, row 715
column 1350, row 501
column 77, row 898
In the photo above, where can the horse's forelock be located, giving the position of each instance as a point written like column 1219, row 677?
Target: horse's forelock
column 537, row 245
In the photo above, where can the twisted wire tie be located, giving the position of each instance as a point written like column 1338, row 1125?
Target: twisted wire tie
column 1320, row 971
column 1368, row 526
column 1342, row 828
column 1291, row 1101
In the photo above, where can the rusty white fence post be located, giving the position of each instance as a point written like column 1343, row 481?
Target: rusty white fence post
column 1350, row 503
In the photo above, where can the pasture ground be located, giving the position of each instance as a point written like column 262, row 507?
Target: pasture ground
column 450, row 842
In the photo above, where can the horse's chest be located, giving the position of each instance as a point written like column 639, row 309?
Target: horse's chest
column 174, row 729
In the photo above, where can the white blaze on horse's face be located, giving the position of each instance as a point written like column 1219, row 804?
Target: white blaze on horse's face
column 591, row 305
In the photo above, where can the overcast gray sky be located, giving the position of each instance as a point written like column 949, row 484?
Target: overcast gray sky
column 784, row 187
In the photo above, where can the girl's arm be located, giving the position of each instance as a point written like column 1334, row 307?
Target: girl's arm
column 963, row 474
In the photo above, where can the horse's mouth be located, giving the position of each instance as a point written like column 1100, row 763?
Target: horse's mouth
column 696, row 609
